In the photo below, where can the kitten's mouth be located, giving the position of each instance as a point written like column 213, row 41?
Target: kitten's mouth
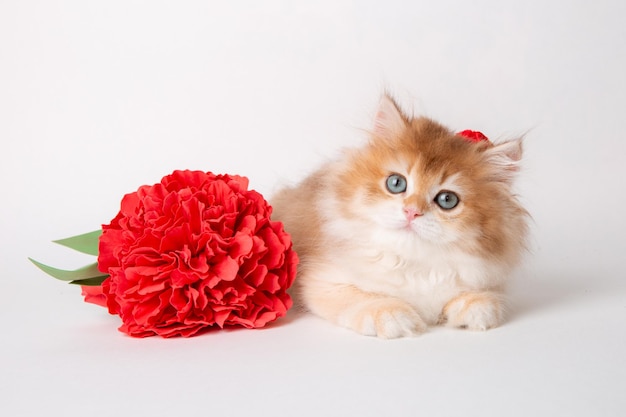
column 409, row 227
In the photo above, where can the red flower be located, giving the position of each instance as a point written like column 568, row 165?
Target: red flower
column 195, row 251
column 93, row 294
column 473, row 136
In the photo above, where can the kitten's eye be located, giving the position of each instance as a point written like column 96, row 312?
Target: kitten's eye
column 447, row 200
column 396, row 184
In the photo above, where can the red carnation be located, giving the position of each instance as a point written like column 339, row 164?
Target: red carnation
column 195, row 251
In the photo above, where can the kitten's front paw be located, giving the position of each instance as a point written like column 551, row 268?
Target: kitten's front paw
column 474, row 311
column 386, row 318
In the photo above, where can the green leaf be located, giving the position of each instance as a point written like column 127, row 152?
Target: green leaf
column 87, row 272
column 90, row 281
column 85, row 243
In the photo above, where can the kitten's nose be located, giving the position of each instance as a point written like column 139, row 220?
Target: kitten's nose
column 411, row 213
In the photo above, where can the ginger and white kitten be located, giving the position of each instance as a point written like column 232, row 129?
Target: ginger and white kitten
column 418, row 227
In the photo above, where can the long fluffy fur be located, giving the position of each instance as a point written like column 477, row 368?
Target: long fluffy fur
column 367, row 266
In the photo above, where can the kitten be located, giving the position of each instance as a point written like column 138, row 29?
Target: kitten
column 418, row 227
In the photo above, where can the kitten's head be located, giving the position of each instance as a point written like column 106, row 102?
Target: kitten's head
column 419, row 181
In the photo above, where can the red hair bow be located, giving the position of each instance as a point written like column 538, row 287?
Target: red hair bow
column 473, row 136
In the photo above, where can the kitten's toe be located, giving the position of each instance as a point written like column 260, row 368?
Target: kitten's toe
column 384, row 318
column 474, row 311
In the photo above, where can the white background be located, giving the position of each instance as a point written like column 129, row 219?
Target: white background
column 98, row 98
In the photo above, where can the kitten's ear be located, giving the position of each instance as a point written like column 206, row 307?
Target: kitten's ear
column 389, row 121
column 504, row 159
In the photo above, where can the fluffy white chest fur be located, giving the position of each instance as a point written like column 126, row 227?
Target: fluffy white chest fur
column 399, row 264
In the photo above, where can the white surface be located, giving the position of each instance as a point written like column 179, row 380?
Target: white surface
column 97, row 98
